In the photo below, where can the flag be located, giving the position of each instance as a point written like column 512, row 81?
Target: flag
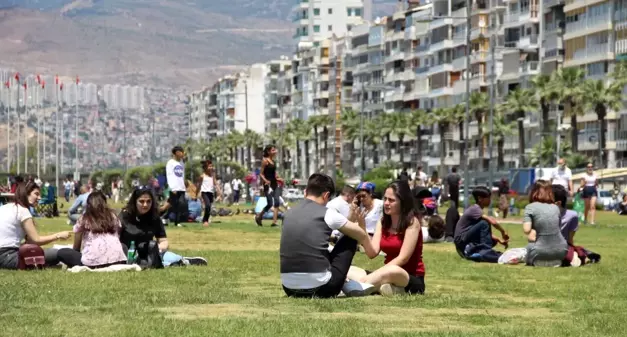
column 17, row 77
column 38, row 78
column 7, row 84
column 61, row 87
column 77, row 80
column 56, row 79
column 25, row 86
column 43, row 84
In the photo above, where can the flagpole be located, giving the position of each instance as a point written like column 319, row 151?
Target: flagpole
column 37, row 113
column 62, row 134
column 26, row 127
column 56, row 137
column 18, row 123
column 43, row 143
column 8, row 86
column 76, row 133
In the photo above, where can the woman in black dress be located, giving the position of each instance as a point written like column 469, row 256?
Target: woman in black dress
column 270, row 180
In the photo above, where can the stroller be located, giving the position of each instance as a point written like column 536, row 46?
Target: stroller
column 426, row 203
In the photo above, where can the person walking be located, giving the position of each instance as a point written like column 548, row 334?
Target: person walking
column 209, row 189
column 270, row 180
column 563, row 176
column 453, row 180
column 589, row 184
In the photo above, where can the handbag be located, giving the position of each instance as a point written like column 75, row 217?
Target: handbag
column 30, row 257
column 148, row 256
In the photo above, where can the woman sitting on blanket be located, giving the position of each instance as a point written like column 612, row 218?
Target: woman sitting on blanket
column 399, row 236
column 96, row 241
column 142, row 225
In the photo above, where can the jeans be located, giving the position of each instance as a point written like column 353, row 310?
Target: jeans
column 272, row 197
column 167, row 257
column 341, row 258
column 9, row 257
column 479, row 234
column 73, row 218
column 177, row 206
column 207, row 198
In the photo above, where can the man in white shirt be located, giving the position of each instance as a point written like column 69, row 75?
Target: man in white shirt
column 421, row 178
column 563, row 176
column 341, row 204
column 236, row 184
column 175, row 174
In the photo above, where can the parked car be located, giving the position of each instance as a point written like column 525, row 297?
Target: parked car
column 292, row 194
column 605, row 199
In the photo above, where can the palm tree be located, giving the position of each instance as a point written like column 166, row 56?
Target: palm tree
column 519, row 102
column 601, row 98
column 398, row 123
column 569, row 91
column 317, row 122
column 374, row 134
column 479, row 106
column 253, row 141
column 456, row 116
column 442, row 118
column 234, row 140
column 502, row 129
column 387, row 131
column 350, row 132
column 417, row 119
column 546, row 94
column 620, row 73
column 543, row 153
column 300, row 130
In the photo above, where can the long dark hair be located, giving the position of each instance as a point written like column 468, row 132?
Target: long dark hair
column 403, row 195
column 22, row 191
column 131, row 207
column 99, row 217
column 267, row 149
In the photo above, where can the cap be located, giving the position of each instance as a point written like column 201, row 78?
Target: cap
column 366, row 186
column 177, row 148
column 421, row 192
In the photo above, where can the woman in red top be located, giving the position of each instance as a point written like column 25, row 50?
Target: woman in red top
column 399, row 236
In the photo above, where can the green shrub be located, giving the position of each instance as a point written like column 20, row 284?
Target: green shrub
column 380, row 185
column 379, row 173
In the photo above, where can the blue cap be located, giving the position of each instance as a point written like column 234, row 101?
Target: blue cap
column 366, row 186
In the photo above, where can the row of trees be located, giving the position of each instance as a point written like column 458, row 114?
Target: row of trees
column 567, row 87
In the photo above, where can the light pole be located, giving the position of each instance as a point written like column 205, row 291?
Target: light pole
column 56, row 136
column 8, row 86
column 76, row 134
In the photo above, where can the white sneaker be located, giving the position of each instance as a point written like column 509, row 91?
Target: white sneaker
column 391, row 290
column 576, row 262
column 355, row 289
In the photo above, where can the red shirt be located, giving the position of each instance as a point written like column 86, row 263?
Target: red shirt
column 391, row 245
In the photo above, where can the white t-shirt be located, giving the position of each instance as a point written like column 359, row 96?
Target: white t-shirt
column 335, row 221
column 427, row 239
column 227, row 188
column 236, row 184
column 373, row 217
column 207, row 184
column 11, row 231
column 175, row 173
column 340, row 205
column 591, row 179
column 562, row 177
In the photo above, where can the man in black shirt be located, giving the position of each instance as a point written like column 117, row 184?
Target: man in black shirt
column 453, row 181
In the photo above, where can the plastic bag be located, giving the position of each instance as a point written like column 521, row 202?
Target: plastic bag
column 579, row 207
column 513, row 256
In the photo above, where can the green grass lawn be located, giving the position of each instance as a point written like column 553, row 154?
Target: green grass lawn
column 239, row 294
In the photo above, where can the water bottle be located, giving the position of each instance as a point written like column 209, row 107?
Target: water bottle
column 130, row 257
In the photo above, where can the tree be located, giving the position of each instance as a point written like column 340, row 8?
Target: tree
column 253, row 141
column 546, row 94
column 442, row 118
column 398, row 124
column 387, row 131
column 569, row 91
column 502, row 129
column 301, row 131
column 600, row 98
column 479, row 107
column 457, row 116
column 350, row 132
column 234, row 140
column 519, row 102
column 620, row 73
column 320, row 122
column 374, row 134
column 417, row 119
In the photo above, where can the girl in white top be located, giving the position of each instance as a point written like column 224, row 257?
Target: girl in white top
column 208, row 189
column 589, row 186
column 16, row 224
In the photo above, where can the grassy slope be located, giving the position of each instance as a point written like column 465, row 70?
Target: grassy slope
column 239, row 294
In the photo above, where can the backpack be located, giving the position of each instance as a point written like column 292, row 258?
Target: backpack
column 148, row 256
column 30, row 257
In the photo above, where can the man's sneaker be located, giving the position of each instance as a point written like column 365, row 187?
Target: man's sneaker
column 195, row 261
column 391, row 290
column 355, row 289
column 258, row 220
column 274, row 225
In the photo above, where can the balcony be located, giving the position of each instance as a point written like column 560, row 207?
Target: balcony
column 444, row 44
column 497, row 4
column 478, row 56
column 620, row 19
column 442, row 91
column 422, row 48
column 530, row 14
column 588, row 25
column 575, row 4
column 553, row 27
column 621, row 46
column 459, row 63
column 529, row 68
column 422, row 70
column 437, row 23
column 552, row 3
column 395, row 55
column 476, row 32
column 593, row 51
column 528, row 42
column 442, row 67
column 511, row 18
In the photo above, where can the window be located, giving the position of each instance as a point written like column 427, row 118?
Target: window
column 316, row 11
column 349, row 11
column 330, row 11
column 357, row 11
column 316, row 44
column 330, row 28
column 316, row 29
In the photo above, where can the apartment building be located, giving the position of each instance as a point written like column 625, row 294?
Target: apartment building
column 589, row 42
column 274, row 98
column 340, row 94
column 317, row 20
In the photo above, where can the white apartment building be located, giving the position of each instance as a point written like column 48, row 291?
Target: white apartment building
column 274, row 98
column 317, row 20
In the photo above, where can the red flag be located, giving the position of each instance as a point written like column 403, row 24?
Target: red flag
column 7, row 84
column 43, row 84
column 25, row 87
column 56, row 79
column 17, row 77
column 38, row 78
column 77, row 79
column 61, row 87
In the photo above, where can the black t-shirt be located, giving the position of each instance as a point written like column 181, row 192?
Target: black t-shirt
column 452, row 180
column 140, row 229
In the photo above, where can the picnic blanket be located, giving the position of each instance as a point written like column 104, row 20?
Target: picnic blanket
column 114, row 268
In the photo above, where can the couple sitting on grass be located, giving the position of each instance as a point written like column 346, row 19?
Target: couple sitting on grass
column 101, row 238
column 308, row 269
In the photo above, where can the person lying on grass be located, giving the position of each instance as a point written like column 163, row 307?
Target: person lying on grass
column 434, row 232
column 473, row 232
column 399, row 235
column 96, row 241
column 307, row 267
column 142, row 225
column 17, row 225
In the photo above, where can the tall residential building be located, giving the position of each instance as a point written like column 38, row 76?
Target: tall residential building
column 317, row 20
column 274, row 98
column 340, row 92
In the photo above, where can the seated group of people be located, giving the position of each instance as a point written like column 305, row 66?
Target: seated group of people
column 550, row 228
column 101, row 239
